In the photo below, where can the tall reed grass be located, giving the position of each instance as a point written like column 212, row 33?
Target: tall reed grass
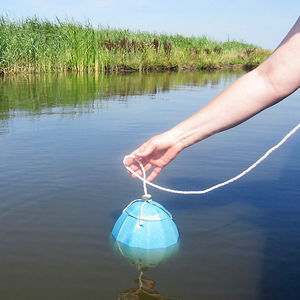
column 37, row 45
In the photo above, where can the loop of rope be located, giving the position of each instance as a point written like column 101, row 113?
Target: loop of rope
column 146, row 196
column 145, row 182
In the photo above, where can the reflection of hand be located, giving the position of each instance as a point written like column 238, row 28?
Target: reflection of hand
column 156, row 153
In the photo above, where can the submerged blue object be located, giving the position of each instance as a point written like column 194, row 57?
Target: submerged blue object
column 147, row 225
column 142, row 258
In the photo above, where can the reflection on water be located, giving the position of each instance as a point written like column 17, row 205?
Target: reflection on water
column 145, row 290
column 43, row 93
column 143, row 259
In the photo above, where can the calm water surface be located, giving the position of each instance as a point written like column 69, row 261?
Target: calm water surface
column 63, row 185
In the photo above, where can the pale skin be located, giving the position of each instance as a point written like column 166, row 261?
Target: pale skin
column 276, row 78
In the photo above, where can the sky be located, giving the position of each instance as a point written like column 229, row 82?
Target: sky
column 260, row 22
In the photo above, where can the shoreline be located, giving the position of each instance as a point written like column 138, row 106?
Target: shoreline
column 40, row 46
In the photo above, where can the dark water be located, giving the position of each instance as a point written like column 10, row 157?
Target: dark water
column 62, row 183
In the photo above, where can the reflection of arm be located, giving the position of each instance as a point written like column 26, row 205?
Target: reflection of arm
column 271, row 82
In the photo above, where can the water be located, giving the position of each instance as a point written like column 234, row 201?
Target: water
column 62, row 141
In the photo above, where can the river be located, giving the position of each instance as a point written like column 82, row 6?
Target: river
column 63, row 186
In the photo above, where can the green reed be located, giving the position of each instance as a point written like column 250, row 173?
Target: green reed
column 36, row 45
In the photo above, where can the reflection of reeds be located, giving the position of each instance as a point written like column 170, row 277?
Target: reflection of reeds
column 43, row 93
column 35, row 45
column 33, row 93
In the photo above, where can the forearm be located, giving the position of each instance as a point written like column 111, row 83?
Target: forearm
column 271, row 82
column 243, row 99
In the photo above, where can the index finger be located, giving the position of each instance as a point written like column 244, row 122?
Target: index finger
column 131, row 159
column 128, row 161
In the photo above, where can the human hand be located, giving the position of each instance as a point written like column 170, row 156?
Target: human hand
column 154, row 154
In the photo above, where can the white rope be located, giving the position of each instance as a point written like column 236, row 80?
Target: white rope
column 146, row 197
column 145, row 182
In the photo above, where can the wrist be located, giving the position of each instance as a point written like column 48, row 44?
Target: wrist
column 180, row 138
column 190, row 132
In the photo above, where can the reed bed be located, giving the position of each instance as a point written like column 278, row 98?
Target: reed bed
column 36, row 45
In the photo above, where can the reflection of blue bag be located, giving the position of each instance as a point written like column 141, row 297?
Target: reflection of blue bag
column 146, row 224
column 145, row 258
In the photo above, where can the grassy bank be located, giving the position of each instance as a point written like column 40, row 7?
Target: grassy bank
column 35, row 45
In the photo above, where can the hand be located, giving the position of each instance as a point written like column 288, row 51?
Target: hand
column 156, row 153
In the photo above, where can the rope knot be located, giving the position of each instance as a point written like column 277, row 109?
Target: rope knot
column 146, row 197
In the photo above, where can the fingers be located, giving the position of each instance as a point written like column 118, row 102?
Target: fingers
column 135, row 167
column 129, row 161
column 144, row 154
column 145, row 150
column 154, row 173
column 147, row 167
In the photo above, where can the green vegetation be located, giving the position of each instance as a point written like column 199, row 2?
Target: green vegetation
column 34, row 45
column 42, row 93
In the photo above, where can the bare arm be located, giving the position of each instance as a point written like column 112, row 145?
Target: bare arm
column 276, row 78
